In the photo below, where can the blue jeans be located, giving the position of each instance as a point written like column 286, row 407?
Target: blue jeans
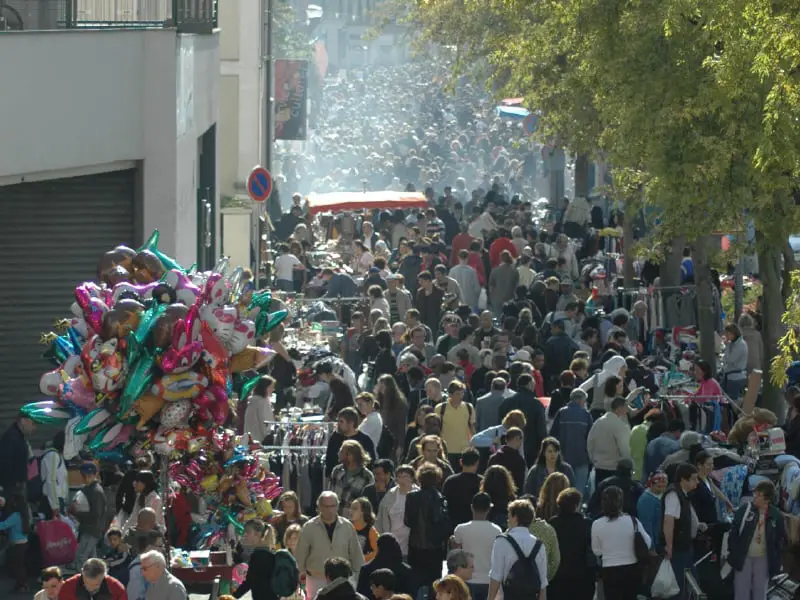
column 478, row 591
column 734, row 388
column 681, row 562
column 581, row 478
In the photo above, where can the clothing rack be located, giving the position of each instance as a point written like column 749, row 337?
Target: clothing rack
column 327, row 425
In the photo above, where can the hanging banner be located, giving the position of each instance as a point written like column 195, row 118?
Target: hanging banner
column 291, row 99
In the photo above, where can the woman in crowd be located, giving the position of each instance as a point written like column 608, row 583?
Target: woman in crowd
column 709, row 387
column 648, row 507
column 549, row 461
column 547, row 506
column 575, row 577
column 388, row 556
column 499, row 484
column 394, row 412
column 451, row 587
column 351, row 475
column 755, row 543
column 372, row 424
column 416, row 430
column 734, row 360
column 341, row 395
column 144, row 484
column 385, row 360
column 391, row 513
column 612, row 542
column 290, row 514
column 282, row 368
column 362, row 516
column 429, row 528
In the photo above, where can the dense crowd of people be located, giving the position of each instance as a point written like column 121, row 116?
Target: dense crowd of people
column 502, row 441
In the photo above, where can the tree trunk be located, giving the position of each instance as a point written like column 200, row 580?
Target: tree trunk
column 582, row 176
column 789, row 265
column 705, row 304
column 628, row 258
column 769, row 262
column 670, row 277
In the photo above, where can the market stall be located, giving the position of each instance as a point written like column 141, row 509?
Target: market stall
column 381, row 200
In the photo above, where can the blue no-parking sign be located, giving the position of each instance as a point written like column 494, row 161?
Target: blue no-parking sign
column 259, row 184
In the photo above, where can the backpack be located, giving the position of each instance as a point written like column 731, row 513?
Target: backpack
column 385, row 444
column 285, row 574
column 523, row 581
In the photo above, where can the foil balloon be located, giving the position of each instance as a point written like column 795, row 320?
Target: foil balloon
column 107, row 367
column 138, row 339
column 251, row 358
column 244, row 334
column 50, row 416
column 52, row 380
column 132, row 290
column 217, row 290
column 209, row 483
column 228, row 518
column 122, row 437
column 215, row 356
column 77, row 393
column 263, row 508
column 147, row 407
column 91, row 421
column 121, row 319
column 36, row 406
column 73, row 442
column 221, row 320
column 92, row 307
column 186, row 348
column 179, row 386
column 140, row 378
column 151, row 245
column 175, row 415
column 61, row 348
column 116, row 456
column 186, row 292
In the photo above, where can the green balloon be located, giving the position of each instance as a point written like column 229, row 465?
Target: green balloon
column 275, row 319
column 168, row 262
column 92, row 421
column 49, row 416
column 248, row 386
column 140, row 378
column 96, row 444
column 137, row 340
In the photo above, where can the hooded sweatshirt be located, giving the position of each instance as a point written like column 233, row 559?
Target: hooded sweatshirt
column 596, row 382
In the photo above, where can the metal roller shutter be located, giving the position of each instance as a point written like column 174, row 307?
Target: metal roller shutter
column 52, row 234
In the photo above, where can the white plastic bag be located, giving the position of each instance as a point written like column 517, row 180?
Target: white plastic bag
column 483, row 300
column 665, row 585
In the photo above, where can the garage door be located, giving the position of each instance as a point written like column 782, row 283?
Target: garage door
column 52, row 234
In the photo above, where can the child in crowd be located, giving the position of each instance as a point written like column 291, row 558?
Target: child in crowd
column 363, row 519
column 17, row 523
column 261, row 538
column 90, row 512
column 117, row 556
column 51, row 584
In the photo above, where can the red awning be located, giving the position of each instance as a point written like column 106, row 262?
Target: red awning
column 364, row 200
column 512, row 101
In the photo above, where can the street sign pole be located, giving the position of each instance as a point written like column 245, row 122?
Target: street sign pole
column 267, row 126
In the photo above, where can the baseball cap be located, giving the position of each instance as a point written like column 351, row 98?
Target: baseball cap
column 88, row 469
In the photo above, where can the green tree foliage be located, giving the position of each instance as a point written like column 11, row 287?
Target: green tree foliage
column 699, row 99
column 290, row 38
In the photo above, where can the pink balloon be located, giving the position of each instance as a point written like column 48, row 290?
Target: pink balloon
column 122, row 436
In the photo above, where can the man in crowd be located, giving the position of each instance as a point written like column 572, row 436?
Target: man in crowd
column 477, row 538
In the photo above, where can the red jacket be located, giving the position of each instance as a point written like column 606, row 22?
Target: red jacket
column 476, row 262
column 110, row 589
column 460, row 242
column 497, row 247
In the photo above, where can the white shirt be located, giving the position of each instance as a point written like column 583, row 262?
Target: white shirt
column 613, row 540
column 672, row 508
column 284, row 266
column 504, row 556
column 397, row 525
column 483, row 223
column 372, row 426
column 259, row 409
column 477, row 538
column 54, row 479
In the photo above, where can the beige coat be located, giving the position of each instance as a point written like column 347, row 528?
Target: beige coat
column 755, row 349
column 314, row 547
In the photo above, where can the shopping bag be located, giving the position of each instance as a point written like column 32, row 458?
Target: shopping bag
column 483, row 300
column 664, row 585
column 57, row 542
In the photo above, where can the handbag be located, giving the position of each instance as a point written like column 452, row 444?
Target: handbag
column 726, row 568
column 640, row 547
column 57, row 542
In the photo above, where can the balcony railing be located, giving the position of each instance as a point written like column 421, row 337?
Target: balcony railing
column 187, row 16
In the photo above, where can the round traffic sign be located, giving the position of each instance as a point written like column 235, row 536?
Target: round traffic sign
column 259, row 184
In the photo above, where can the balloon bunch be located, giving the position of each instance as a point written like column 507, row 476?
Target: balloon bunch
column 150, row 349
column 232, row 478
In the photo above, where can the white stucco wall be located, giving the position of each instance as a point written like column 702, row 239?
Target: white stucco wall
column 74, row 100
column 240, row 65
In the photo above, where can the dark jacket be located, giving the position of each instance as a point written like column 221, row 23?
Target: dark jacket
column 93, row 522
column 739, row 544
column 339, row 589
column 429, row 307
column 558, row 351
column 571, row 427
column 511, row 459
column 259, row 575
column 682, row 534
column 13, row 458
column 536, row 425
column 574, row 579
column 631, row 491
column 705, row 504
column 335, row 444
column 558, row 400
column 374, row 496
column 425, row 509
column 458, row 491
column 126, row 495
column 341, row 285
column 404, row 577
column 538, row 473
